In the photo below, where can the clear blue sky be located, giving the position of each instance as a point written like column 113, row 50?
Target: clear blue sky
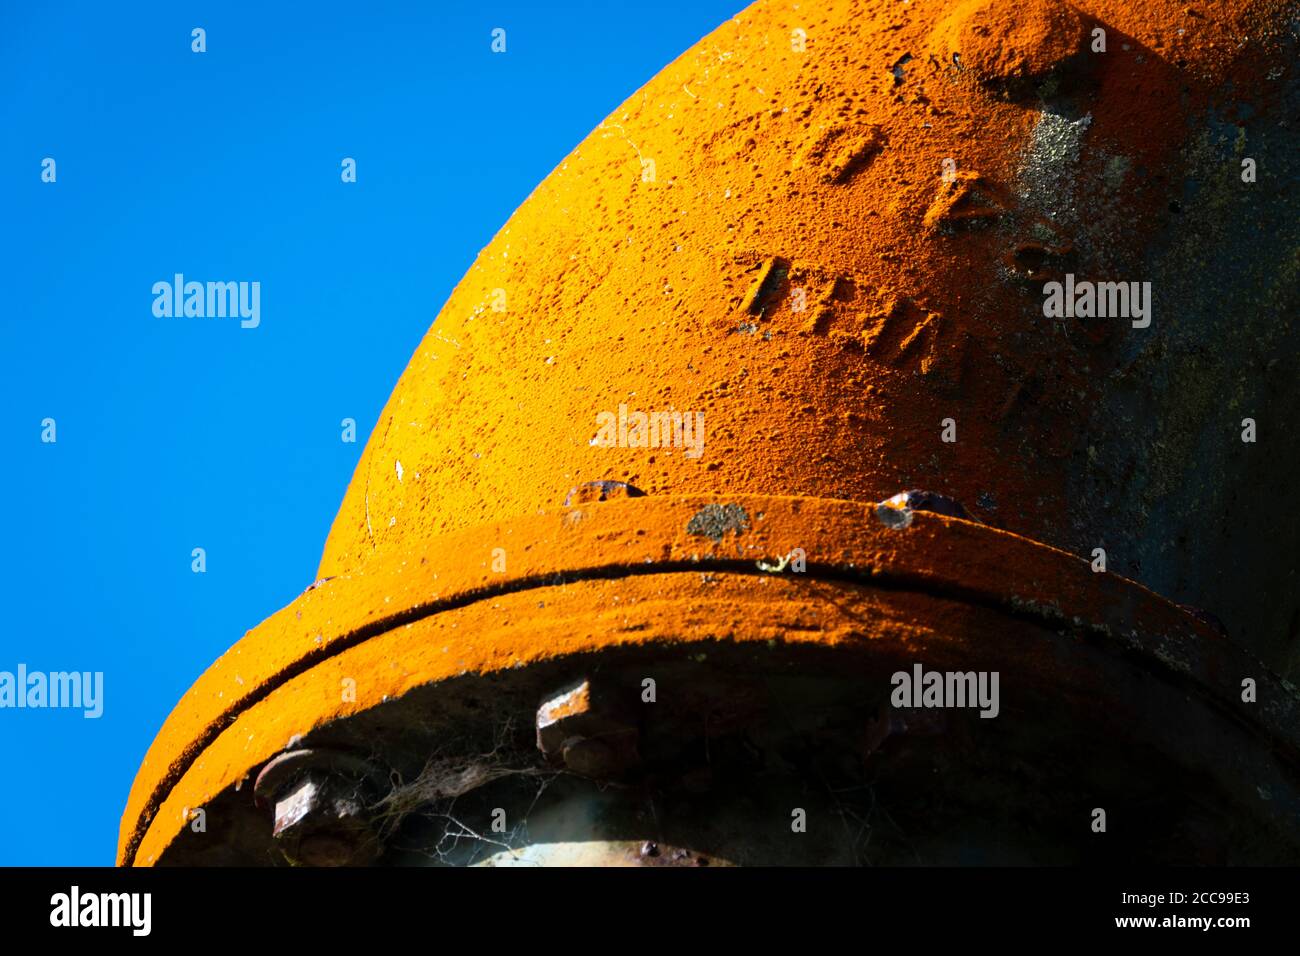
column 177, row 434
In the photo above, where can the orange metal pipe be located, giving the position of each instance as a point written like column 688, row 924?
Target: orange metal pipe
column 767, row 241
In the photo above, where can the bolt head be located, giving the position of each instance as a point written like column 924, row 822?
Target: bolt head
column 291, row 811
column 586, row 729
column 321, row 821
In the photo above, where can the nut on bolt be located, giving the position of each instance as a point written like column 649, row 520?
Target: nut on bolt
column 321, row 800
column 586, row 729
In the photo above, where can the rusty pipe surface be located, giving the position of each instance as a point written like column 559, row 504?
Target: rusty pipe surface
column 810, row 265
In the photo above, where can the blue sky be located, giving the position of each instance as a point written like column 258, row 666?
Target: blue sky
column 174, row 434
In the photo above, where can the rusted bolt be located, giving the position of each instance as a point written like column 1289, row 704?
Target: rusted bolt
column 588, row 730
column 321, row 800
